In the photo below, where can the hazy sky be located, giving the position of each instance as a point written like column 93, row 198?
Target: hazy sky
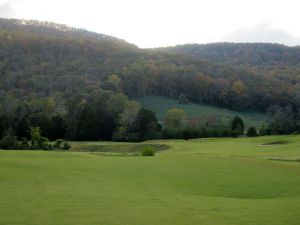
column 153, row 23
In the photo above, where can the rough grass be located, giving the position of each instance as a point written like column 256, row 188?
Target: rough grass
column 121, row 148
column 160, row 105
column 205, row 181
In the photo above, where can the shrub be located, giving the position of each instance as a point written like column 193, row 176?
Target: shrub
column 66, row 146
column 171, row 133
column 251, row 132
column 154, row 135
column 120, row 135
column 264, row 130
column 148, row 152
column 24, row 143
column 48, row 147
column 8, row 142
column 187, row 133
column 58, row 143
column 134, row 137
column 42, row 142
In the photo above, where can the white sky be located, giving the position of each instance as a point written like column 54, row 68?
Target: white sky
column 153, row 23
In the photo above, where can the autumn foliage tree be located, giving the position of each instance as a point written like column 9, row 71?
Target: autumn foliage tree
column 175, row 118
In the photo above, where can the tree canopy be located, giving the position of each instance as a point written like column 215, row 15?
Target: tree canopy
column 174, row 118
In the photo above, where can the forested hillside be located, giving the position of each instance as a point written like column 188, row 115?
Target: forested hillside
column 248, row 54
column 277, row 61
column 54, row 74
column 46, row 59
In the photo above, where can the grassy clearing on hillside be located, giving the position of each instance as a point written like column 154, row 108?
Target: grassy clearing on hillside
column 160, row 105
column 204, row 181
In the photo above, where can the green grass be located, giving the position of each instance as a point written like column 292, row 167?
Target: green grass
column 160, row 105
column 203, row 181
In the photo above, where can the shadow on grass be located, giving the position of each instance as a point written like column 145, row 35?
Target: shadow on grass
column 275, row 143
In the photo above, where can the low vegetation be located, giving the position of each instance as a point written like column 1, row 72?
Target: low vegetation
column 148, row 152
column 122, row 148
column 36, row 142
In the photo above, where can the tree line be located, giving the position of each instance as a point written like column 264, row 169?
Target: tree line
column 110, row 115
column 76, row 85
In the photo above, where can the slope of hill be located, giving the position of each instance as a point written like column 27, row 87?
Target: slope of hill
column 46, row 59
column 251, row 54
column 271, row 59
column 52, row 29
column 160, row 105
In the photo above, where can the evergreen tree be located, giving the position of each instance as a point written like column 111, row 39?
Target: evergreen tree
column 237, row 125
column 146, row 122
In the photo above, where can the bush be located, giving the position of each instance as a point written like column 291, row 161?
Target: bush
column 154, row 135
column 42, row 142
column 120, row 135
column 148, row 152
column 8, row 142
column 171, row 133
column 58, row 143
column 264, row 130
column 135, row 137
column 235, row 133
column 66, row 146
column 24, row 143
column 48, row 147
column 251, row 132
column 11, row 142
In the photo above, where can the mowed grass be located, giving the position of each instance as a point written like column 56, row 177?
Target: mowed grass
column 160, row 105
column 204, row 181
